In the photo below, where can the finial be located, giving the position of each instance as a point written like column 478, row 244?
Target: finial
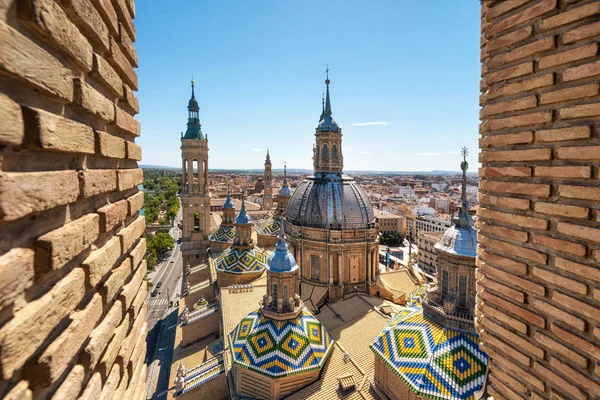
column 193, row 96
column 268, row 156
column 327, row 74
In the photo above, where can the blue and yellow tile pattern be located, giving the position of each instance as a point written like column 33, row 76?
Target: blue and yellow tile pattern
column 280, row 348
column 433, row 361
column 242, row 261
column 224, row 234
column 270, row 227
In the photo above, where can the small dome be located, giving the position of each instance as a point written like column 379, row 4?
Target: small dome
column 193, row 105
column 328, row 124
column 330, row 201
column 242, row 261
column 270, row 227
column 243, row 217
column 459, row 240
column 228, row 203
column 285, row 190
column 224, row 234
column 281, row 260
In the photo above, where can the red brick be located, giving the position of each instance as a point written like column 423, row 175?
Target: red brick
column 530, row 189
column 514, row 309
column 519, row 53
column 112, row 215
column 526, row 284
column 510, row 38
column 135, row 202
column 559, row 280
column 503, row 318
column 563, row 172
column 569, row 94
column 561, row 209
column 504, row 171
column 125, row 17
column 521, row 120
column 578, row 269
column 516, row 370
column 106, row 9
column 509, row 73
column 567, row 17
column 568, row 56
column 520, row 87
column 24, row 193
column 579, row 231
column 575, row 376
column 582, row 71
column 515, row 250
column 579, row 192
column 519, row 220
column 584, row 345
column 502, row 289
column 518, row 341
column 555, row 346
column 510, row 105
column 558, row 314
column 582, row 32
column 560, row 383
column 11, row 122
column 560, row 245
column 577, row 306
column 571, row 133
column 506, row 349
column 523, row 16
column 506, row 139
column 506, row 202
column 581, row 111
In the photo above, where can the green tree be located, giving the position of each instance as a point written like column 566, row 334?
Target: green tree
column 391, row 239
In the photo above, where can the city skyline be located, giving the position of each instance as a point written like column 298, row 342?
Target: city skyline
column 255, row 94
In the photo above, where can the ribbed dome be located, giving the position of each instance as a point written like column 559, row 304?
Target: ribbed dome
column 330, row 201
column 285, row 190
column 459, row 240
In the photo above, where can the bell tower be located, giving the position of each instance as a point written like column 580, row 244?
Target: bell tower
column 268, row 193
column 327, row 157
column 194, row 187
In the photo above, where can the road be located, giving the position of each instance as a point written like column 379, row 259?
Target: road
column 162, row 319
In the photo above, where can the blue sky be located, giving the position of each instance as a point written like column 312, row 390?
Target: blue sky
column 410, row 66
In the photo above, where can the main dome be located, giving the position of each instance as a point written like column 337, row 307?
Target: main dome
column 330, row 201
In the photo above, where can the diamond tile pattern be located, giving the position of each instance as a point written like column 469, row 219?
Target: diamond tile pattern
column 224, row 234
column 433, row 361
column 280, row 348
column 241, row 260
column 269, row 227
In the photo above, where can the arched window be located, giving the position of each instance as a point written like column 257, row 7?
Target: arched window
column 325, row 153
column 205, row 170
column 318, row 152
column 334, row 155
column 195, row 168
column 197, row 221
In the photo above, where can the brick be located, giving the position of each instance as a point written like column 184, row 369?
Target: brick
column 125, row 17
column 496, row 387
column 140, row 298
column 577, row 306
column 579, row 192
column 97, row 181
column 579, row 343
column 522, row 344
column 510, row 38
column 107, row 76
column 131, row 101
column 20, row 392
column 575, row 376
column 92, row 388
column 11, row 122
column 138, row 253
column 127, row 45
column 89, row 20
column 568, row 56
column 514, row 309
column 571, row 133
column 518, row 251
column 113, row 285
column 130, row 290
column 58, row 247
column 525, row 284
column 130, row 341
column 110, row 146
column 512, row 265
column 505, row 171
column 507, row 233
column 522, row 52
column 93, row 101
column 559, row 280
column 509, row 73
column 107, row 11
column 102, row 334
column 25, row 193
column 579, row 231
column 582, row 71
column 100, row 261
column 520, row 87
column 52, row 132
column 111, row 384
column 135, row 202
column 132, row 233
column 112, row 215
column 121, row 63
column 563, row 246
column 126, row 122
column 506, row 202
column 16, row 274
column 557, row 381
column 502, row 289
column 135, row 378
column 516, row 370
column 560, row 349
column 47, row 18
column 582, row 32
column 578, row 269
column 574, row 172
column 129, row 178
column 20, row 338
column 112, row 351
column 516, row 155
column 503, row 7
column 558, row 314
column 506, row 139
column 57, row 355
column 561, row 209
column 503, row 318
column 134, row 151
column 510, row 105
column 519, row 220
column 530, row 189
column 27, row 62
column 522, row 120
column 569, row 94
column 567, row 17
column 581, row 111
column 523, row 16
column 71, row 386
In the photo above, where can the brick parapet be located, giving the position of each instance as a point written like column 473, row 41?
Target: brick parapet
column 71, row 268
column 538, row 296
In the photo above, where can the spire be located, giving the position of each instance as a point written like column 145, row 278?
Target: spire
column 464, row 218
column 194, row 129
column 327, row 100
column 268, row 156
column 322, row 108
column 243, row 217
column 193, row 96
column 327, row 123
column 228, row 202
column 282, row 260
column 285, row 173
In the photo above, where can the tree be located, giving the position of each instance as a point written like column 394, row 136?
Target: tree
column 391, row 239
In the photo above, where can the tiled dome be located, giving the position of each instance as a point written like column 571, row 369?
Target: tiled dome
column 242, row 260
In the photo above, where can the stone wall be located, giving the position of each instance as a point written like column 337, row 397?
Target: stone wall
column 72, row 290
column 538, row 297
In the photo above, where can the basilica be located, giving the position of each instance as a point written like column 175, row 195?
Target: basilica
column 295, row 305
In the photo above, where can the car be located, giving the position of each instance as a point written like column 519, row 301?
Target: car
column 154, row 293
column 173, row 259
column 159, row 284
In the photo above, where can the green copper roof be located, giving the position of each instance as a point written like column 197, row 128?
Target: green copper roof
column 194, row 130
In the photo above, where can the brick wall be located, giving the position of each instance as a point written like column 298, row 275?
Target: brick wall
column 72, row 312
column 538, row 302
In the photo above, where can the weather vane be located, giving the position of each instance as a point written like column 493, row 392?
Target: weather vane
column 327, row 71
column 464, row 152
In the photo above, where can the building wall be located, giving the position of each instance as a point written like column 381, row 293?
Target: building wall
column 72, row 294
column 538, row 280
column 427, row 253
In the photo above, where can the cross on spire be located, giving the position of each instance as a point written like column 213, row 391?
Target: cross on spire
column 464, row 152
